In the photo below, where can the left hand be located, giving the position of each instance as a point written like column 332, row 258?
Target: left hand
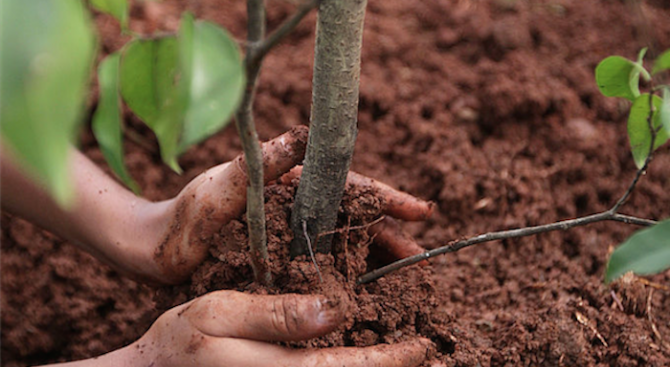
column 218, row 196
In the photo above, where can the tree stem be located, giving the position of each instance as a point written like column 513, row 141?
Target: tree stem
column 244, row 120
column 256, row 50
column 333, row 130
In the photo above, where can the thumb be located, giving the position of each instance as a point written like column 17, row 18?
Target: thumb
column 215, row 198
column 288, row 317
column 222, row 190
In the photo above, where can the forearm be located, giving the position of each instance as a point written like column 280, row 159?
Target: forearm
column 103, row 220
column 129, row 356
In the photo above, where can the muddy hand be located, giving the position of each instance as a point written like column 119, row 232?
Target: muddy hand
column 228, row 328
column 397, row 204
column 213, row 199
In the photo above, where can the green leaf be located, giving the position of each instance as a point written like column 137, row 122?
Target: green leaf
column 149, row 76
column 662, row 63
column 638, row 128
column 107, row 121
column 46, row 52
column 618, row 77
column 217, row 83
column 185, row 88
column 664, row 111
column 645, row 252
column 117, row 8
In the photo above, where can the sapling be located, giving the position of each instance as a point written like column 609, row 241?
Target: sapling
column 333, row 129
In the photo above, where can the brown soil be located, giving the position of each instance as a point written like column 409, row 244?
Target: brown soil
column 487, row 108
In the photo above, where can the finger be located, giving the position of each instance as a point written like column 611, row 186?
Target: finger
column 406, row 354
column 397, row 203
column 392, row 238
column 240, row 352
column 225, row 189
column 286, row 317
column 215, row 198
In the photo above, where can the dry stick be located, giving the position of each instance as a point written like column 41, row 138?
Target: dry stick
column 257, row 48
column 609, row 215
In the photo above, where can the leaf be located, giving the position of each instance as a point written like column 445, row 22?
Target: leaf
column 645, row 252
column 149, row 75
column 638, row 128
column 46, row 52
column 662, row 63
column 117, row 8
column 186, row 87
column 107, row 122
column 618, row 77
column 217, row 83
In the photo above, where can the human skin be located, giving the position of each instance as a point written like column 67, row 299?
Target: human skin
column 228, row 328
column 163, row 242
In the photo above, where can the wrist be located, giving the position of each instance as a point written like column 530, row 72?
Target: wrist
column 135, row 354
column 140, row 235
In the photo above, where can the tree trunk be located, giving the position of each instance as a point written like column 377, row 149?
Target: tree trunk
column 333, row 123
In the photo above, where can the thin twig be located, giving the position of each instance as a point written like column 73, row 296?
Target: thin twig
column 493, row 236
column 244, row 120
column 608, row 215
column 311, row 251
column 256, row 48
column 262, row 48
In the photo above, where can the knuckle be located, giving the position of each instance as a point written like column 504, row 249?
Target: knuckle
column 285, row 315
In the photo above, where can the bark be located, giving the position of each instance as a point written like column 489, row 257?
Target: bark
column 244, row 121
column 333, row 123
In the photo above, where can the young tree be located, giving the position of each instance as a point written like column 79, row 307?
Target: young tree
column 333, row 127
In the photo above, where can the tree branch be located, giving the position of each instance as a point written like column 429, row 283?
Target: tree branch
column 256, row 50
column 493, row 236
column 609, row 215
column 262, row 48
column 244, row 120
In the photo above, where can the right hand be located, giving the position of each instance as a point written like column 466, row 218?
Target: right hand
column 228, row 328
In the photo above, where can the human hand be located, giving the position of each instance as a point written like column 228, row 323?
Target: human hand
column 228, row 328
column 218, row 196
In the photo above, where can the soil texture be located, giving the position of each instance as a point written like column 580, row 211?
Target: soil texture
column 487, row 108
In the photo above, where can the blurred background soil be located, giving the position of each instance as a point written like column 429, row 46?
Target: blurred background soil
column 488, row 108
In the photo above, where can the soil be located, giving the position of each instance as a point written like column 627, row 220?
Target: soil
column 489, row 109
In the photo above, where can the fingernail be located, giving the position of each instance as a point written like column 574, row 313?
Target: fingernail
column 328, row 311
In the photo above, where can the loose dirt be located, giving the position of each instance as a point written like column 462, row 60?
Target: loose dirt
column 488, row 108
